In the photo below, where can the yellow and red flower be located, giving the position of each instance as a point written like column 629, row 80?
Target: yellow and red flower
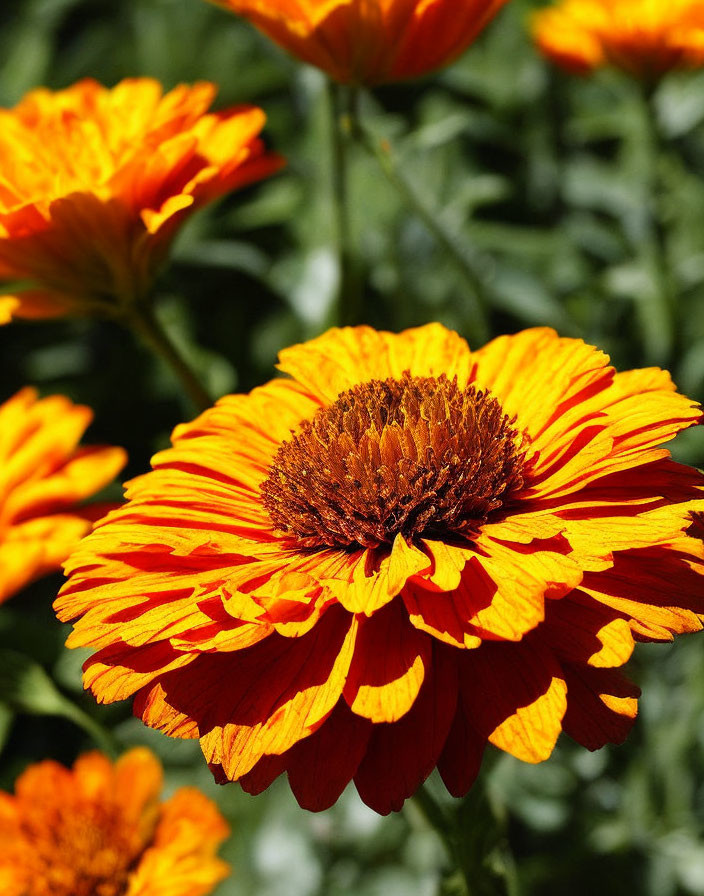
column 644, row 37
column 44, row 476
column 370, row 41
column 99, row 829
column 96, row 182
column 401, row 552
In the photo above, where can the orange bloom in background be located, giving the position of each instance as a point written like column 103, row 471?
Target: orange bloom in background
column 370, row 41
column 99, row 829
column 96, row 182
column 44, row 476
column 644, row 37
column 398, row 554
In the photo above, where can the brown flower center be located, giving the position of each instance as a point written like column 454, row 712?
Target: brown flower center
column 416, row 456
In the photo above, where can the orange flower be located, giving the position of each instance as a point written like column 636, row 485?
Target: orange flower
column 644, row 37
column 96, row 182
column 405, row 551
column 370, row 41
column 44, row 475
column 100, row 830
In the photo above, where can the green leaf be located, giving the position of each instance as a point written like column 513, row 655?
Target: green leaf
column 26, row 688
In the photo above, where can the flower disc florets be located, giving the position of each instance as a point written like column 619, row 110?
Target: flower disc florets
column 414, row 456
column 367, row 570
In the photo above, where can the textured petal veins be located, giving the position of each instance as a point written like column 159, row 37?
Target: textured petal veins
column 395, row 555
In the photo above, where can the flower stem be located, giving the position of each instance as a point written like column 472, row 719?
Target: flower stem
column 100, row 735
column 348, row 306
column 659, row 313
column 143, row 321
column 382, row 152
column 473, row 839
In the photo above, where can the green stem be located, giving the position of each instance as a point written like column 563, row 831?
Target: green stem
column 382, row 152
column 440, row 822
column 474, row 843
column 659, row 313
column 101, row 736
column 142, row 321
column 348, row 305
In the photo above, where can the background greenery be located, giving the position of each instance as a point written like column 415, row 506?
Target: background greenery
column 561, row 195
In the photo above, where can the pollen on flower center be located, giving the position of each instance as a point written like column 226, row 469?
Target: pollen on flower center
column 415, row 456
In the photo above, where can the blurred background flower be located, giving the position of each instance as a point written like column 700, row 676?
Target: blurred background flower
column 370, row 42
column 646, row 38
column 99, row 829
column 45, row 476
column 97, row 181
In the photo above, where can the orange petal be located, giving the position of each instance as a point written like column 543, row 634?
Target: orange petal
column 660, row 590
column 94, row 777
column 138, row 782
column 36, row 547
column 117, row 672
column 375, row 577
column 247, row 725
column 581, row 630
column 151, row 705
column 388, row 667
column 515, row 694
column 446, row 616
column 517, row 580
column 448, row 562
column 343, row 358
column 538, row 376
column 183, row 855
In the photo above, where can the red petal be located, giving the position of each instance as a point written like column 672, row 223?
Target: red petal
column 322, row 765
column 263, row 775
column 601, row 706
column 462, row 755
column 401, row 755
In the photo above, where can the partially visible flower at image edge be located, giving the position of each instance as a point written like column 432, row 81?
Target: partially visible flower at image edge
column 99, row 829
column 646, row 38
column 370, row 42
column 45, row 476
column 96, row 183
column 401, row 552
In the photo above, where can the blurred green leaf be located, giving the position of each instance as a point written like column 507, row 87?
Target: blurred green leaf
column 26, row 688
column 6, row 718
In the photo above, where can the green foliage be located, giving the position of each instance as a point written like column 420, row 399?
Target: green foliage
column 561, row 194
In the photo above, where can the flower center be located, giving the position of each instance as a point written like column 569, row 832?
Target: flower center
column 415, row 456
column 82, row 853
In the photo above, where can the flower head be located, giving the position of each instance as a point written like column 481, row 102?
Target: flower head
column 96, row 182
column 644, row 37
column 44, row 477
column 370, row 41
column 99, row 829
column 400, row 553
